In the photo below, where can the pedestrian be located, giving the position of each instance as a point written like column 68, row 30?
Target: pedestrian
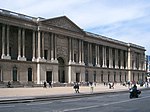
column 76, row 87
column 50, row 84
column 9, row 84
column 44, row 84
column 92, row 87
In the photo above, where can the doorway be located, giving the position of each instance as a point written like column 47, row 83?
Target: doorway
column 49, row 76
column 61, row 70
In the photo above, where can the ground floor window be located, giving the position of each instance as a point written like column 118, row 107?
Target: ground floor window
column 77, row 77
column 94, row 76
column 86, row 76
column 14, row 73
column 49, row 76
column 29, row 74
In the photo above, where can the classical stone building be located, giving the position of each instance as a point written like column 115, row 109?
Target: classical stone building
column 37, row 50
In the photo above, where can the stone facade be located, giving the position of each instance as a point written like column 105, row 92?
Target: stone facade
column 37, row 50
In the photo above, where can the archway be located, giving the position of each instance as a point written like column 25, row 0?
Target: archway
column 61, row 70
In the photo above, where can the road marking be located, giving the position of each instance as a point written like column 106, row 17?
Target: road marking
column 71, row 100
column 6, row 106
column 95, row 106
column 39, row 103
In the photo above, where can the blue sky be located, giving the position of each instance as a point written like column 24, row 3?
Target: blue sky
column 124, row 20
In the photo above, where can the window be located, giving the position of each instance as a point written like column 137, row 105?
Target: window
column 114, row 76
column 102, row 79
column 29, row 74
column 120, row 77
column 45, row 54
column 86, row 76
column 14, row 73
column 94, row 76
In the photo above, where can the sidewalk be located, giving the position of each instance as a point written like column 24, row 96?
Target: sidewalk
column 32, row 93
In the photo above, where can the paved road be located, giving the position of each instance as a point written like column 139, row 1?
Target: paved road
column 118, row 102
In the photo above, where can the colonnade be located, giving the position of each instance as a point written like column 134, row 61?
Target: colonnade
column 120, row 58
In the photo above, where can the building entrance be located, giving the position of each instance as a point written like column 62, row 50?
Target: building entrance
column 49, row 76
column 61, row 71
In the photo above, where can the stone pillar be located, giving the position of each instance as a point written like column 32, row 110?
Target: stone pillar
column 122, row 59
column 19, row 44
column 52, row 47
column 43, row 46
column 33, row 46
column 70, row 60
column 88, row 54
column 3, row 42
column 8, row 55
column 73, row 50
column 110, row 58
column 134, row 64
column 104, row 56
column 96, row 54
column 39, row 46
column 98, row 57
column 80, row 55
column 55, row 48
column 129, row 64
column 126, row 59
column 139, row 61
column 82, row 48
column 23, row 45
column 116, row 58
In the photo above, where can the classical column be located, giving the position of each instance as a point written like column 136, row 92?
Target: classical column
column 39, row 45
column 80, row 55
column 70, row 60
column 8, row 55
column 3, row 42
column 98, row 56
column 33, row 46
column 82, row 48
column 116, row 58
column 129, row 64
column 139, row 61
column 121, row 59
column 55, row 47
column 110, row 58
column 90, row 55
column 126, row 59
column 23, row 45
column 104, row 56
column 135, row 55
column 52, row 47
column 72, row 50
column 19, row 44
column 42, row 45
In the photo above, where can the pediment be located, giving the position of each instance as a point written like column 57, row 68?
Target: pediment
column 63, row 22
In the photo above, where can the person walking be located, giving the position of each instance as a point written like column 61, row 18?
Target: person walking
column 50, row 84
column 76, row 87
column 92, row 87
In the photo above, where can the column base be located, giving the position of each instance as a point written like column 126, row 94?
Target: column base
column 6, row 57
column 21, row 58
column 54, row 61
column 104, row 66
column 90, row 64
column 97, row 65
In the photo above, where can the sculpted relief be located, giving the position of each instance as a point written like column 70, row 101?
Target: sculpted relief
column 62, row 47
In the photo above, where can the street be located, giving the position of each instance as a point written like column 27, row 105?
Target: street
column 118, row 102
